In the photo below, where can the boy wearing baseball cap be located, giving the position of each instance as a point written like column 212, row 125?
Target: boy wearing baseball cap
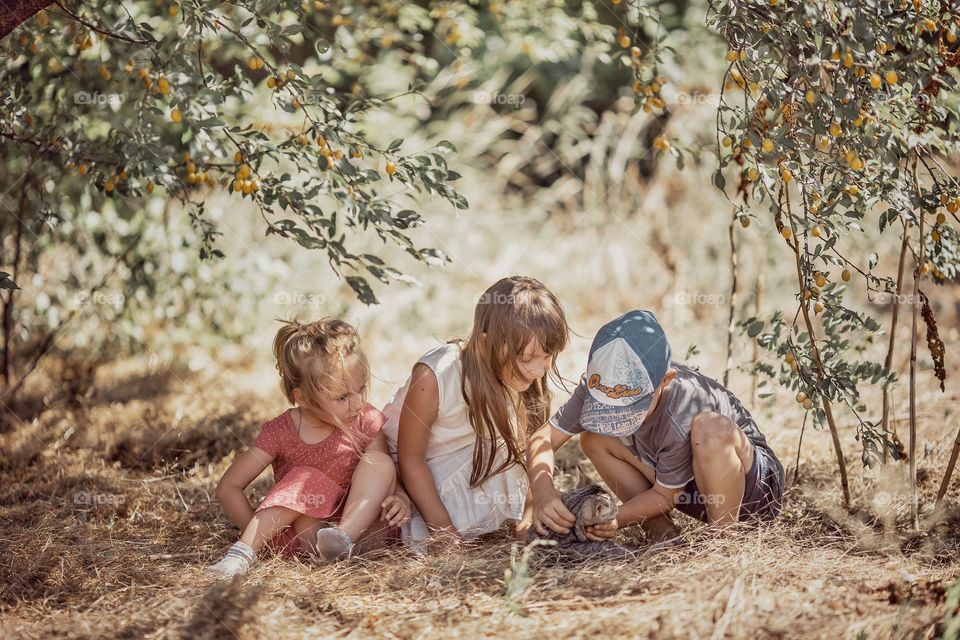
column 661, row 435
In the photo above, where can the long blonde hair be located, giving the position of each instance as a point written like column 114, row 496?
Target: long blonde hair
column 510, row 314
column 308, row 355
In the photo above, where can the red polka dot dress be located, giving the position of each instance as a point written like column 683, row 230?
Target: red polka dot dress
column 312, row 479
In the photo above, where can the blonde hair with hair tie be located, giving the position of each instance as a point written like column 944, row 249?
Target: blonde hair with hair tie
column 309, row 354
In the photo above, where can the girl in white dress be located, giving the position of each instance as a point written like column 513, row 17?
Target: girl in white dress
column 459, row 425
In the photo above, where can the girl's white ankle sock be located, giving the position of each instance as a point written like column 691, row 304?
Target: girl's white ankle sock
column 238, row 559
column 333, row 543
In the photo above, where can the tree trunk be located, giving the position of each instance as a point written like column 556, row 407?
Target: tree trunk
column 9, row 302
column 888, row 363
column 949, row 472
column 733, row 301
column 757, row 303
column 821, row 372
column 915, row 303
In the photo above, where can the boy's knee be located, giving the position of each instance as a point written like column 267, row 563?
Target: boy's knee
column 592, row 443
column 710, row 432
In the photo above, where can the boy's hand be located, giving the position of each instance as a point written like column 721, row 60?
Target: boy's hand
column 395, row 510
column 603, row 531
column 549, row 511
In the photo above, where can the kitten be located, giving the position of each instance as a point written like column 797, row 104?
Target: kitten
column 591, row 504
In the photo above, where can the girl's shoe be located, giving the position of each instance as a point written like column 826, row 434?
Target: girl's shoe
column 334, row 544
column 238, row 559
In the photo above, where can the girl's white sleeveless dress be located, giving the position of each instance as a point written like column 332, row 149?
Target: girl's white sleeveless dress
column 473, row 510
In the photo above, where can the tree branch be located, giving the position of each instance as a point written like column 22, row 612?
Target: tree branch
column 15, row 12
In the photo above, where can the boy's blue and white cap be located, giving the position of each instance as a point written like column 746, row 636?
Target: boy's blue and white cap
column 629, row 358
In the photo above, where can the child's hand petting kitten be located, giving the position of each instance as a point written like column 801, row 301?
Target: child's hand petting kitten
column 603, row 531
column 551, row 515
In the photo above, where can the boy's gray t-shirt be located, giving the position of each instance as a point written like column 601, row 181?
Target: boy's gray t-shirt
column 663, row 441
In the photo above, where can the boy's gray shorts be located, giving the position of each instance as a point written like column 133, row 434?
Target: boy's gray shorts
column 762, row 492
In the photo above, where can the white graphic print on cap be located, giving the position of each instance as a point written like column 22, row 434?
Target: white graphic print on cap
column 616, row 375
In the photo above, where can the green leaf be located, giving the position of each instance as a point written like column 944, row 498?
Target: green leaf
column 719, row 181
column 6, row 281
column 362, row 289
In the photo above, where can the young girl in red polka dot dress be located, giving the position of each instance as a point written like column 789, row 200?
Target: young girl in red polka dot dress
column 329, row 456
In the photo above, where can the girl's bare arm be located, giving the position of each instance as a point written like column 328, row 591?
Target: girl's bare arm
column 230, row 489
column 416, row 420
column 548, row 509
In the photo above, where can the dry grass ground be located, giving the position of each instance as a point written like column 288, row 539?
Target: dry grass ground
column 108, row 515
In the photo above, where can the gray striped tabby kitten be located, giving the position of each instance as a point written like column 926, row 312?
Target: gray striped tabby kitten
column 591, row 504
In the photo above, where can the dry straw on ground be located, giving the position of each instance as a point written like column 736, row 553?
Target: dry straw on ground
column 108, row 517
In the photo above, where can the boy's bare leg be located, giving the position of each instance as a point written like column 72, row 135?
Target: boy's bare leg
column 626, row 476
column 722, row 456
